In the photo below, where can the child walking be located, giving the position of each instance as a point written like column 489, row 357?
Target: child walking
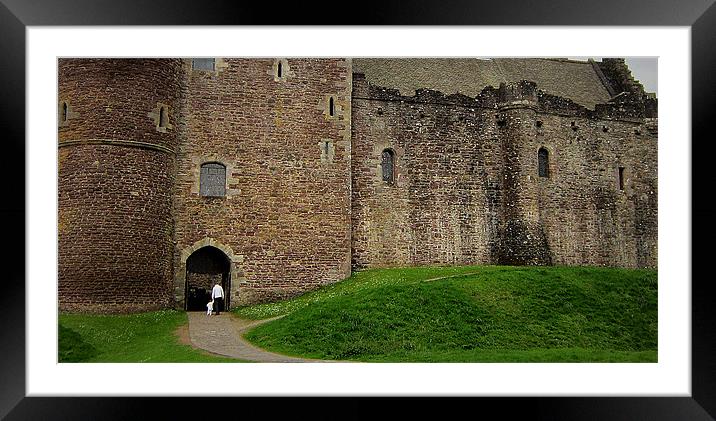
column 209, row 307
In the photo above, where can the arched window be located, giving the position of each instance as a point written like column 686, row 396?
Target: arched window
column 331, row 107
column 543, row 161
column 388, row 164
column 212, row 180
column 279, row 71
column 163, row 117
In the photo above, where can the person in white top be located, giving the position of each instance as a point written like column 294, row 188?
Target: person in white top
column 217, row 294
column 209, row 307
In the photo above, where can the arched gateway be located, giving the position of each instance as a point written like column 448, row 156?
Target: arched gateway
column 200, row 266
column 204, row 268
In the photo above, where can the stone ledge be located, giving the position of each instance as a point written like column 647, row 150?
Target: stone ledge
column 116, row 142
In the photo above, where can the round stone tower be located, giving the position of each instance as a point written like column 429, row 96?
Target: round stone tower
column 522, row 237
column 116, row 169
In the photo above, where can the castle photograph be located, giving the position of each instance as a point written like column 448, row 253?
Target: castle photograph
column 289, row 209
column 276, row 176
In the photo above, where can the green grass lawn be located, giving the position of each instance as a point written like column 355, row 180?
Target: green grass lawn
column 488, row 314
column 134, row 338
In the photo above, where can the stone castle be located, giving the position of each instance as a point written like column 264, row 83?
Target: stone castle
column 276, row 176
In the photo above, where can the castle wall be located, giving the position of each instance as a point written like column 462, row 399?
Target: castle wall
column 588, row 219
column 115, row 176
column 285, row 218
column 305, row 200
column 468, row 189
column 444, row 205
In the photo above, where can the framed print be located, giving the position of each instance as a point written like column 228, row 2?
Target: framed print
column 34, row 35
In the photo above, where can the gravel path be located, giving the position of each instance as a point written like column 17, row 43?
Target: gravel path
column 222, row 335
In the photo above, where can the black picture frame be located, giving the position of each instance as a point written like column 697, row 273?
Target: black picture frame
column 16, row 15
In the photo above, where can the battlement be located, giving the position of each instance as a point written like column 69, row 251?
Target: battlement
column 520, row 93
column 626, row 106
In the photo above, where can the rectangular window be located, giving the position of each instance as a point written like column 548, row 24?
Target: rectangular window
column 543, row 163
column 621, row 178
column 202, row 64
column 388, row 165
column 212, row 181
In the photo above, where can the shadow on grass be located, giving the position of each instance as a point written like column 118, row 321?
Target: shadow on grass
column 72, row 348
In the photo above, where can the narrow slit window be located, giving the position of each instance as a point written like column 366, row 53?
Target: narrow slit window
column 331, row 108
column 543, row 162
column 388, row 166
column 621, row 178
column 63, row 114
column 280, row 69
column 163, row 117
column 212, row 180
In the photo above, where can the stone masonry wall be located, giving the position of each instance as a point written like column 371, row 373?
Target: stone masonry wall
column 444, row 206
column 115, row 176
column 204, row 281
column 588, row 219
column 468, row 190
column 285, row 218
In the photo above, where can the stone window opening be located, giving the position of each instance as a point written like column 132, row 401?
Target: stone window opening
column 543, row 162
column 621, row 178
column 388, row 166
column 63, row 113
column 331, row 107
column 280, row 70
column 327, row 151
column 203, row 64
column 163, row 117
column 212, row 180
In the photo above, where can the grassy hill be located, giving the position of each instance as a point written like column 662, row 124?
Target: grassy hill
column 470, row 314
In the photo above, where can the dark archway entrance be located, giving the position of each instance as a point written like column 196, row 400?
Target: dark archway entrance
column 204, row 268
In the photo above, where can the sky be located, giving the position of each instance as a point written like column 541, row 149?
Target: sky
column 644, row 70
